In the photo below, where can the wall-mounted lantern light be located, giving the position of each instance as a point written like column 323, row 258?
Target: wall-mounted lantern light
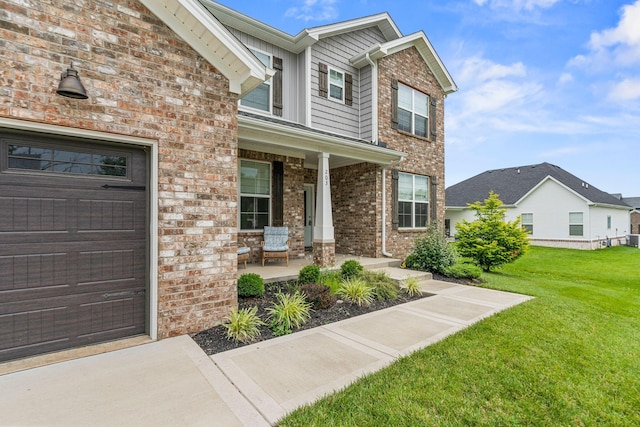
column 70, row 85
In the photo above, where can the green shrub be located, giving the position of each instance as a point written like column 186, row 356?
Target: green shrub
column 331, row 279
column 250, row 285
column 350, row 268
column 309, row 274
column 384, row 287
column 412, row 286
column 463, row 270
column 319, row 296
column 431, row 252
column 288, row 312
column 356, row 291
column 243, row 325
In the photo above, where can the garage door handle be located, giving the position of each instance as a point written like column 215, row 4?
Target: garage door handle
column 123, row 294
column 125, row 187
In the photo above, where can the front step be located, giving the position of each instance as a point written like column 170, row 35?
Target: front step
column 401, row 274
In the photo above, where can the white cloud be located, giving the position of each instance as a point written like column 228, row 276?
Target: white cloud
column 619, row 46
column 314, row 10
column 517, row 5
column 626, row 90
column 565, row 78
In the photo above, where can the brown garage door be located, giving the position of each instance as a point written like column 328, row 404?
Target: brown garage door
column 73, row 243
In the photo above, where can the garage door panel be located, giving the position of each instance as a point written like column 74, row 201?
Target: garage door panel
column 73, row 247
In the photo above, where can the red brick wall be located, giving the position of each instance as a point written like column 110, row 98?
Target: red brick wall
column 423, row 157
column 142, row 81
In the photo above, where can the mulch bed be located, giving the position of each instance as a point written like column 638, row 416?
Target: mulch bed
column 214, row 340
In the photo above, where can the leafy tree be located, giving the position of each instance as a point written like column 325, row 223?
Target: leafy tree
column 490, row 240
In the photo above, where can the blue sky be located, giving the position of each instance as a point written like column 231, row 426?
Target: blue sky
column 553, row 81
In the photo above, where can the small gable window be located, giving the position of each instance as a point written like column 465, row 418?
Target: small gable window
column 336, row 85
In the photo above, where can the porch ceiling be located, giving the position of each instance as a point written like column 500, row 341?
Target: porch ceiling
column 289, row 139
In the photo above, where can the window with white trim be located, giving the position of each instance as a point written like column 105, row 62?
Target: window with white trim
column 576, row 224
column 260, row 97
column 413, row 200
column 608, row 222
column 255, row 194
column 336, row 85
column 413, row 111
column 526, row 220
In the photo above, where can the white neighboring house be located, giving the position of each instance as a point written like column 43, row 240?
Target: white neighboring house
column 558, row 208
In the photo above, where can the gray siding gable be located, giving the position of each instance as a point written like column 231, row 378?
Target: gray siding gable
column 336, row 52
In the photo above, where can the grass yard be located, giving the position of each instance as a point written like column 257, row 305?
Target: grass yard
column 569, row 357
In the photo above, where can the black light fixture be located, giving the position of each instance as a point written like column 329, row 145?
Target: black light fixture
column 70, row 85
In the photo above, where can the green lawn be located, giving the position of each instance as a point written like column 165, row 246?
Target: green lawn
column 569, row 357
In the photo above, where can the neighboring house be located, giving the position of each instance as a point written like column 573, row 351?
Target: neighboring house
column 121, row 213
column 634, row 202
column 558, row 208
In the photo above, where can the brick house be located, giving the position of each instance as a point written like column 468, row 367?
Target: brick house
column 121, row 213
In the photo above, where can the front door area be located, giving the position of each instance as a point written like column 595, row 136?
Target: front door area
column 309, row 214
column 73, row 243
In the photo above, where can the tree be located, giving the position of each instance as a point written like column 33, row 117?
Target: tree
column 490, row 240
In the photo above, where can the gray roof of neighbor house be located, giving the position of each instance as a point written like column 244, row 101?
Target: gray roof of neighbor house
column 634, row 202
column 511, row 184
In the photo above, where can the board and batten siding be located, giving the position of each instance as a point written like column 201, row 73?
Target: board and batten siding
column 336, row 52
column 366, row 104
column 290, row 74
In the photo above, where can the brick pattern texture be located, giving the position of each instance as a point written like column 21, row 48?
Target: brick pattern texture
column 144, row 81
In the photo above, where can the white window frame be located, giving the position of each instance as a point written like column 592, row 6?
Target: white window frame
column 526, row 220
column 342, row 87
column 412, row 112
column 608, row 222
column 257, row 53
column 253, row 195
column 573, row 222
column 413, row 201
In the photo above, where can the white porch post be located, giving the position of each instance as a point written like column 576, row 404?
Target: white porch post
column 323, row 232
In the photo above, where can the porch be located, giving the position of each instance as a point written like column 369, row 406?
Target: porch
column 277, row 271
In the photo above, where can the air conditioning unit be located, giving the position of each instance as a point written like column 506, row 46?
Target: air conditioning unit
column 634, row 240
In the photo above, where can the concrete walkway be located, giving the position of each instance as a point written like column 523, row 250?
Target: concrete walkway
column 173, row 383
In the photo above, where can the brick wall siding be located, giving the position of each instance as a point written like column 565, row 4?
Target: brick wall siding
column 635, row 222
column 293, row 200
column 423, row 157
column 142, row 81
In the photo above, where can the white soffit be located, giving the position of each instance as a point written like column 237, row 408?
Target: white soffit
column 420, row 41
column 196, row 26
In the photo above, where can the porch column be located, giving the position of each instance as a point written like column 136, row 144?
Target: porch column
column 324, row 244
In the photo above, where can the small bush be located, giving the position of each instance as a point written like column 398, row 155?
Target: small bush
column 384, row 287
column 356, row 291
column 431, row 252
column 250, row 285
column 319, row 296
column 412, row 286
column 309, row 274
column 331, row 279
column 463, row 270
column 243, row 325
column 350, row 268
column 290, row 311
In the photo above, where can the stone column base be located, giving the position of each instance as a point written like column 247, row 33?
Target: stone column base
column 324, row 253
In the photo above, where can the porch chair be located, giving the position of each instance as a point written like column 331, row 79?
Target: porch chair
column 275, row 244
column 243, row 253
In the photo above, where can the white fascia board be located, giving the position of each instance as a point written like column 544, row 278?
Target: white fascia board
column 301, row 140
column 420, row 41
column 381, row 20
column 207, row 36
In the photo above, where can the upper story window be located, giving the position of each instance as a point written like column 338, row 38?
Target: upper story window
column 334, row 84
column 268, row 96
column 413, row 111
column 260, row 97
